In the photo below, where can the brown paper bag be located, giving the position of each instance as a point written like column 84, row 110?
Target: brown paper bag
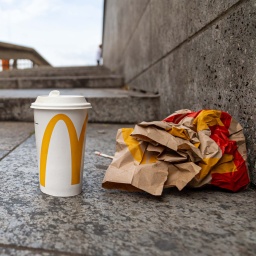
column 186, row 149
column 135, row 167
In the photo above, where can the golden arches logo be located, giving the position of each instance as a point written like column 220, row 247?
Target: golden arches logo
column 76, row 146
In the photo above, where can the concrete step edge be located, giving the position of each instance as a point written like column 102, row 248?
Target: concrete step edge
column 108, row 109
column 62, row 78
column 56, row 71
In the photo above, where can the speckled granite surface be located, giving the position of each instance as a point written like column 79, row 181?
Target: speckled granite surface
column 12, row 134
column 106, row 222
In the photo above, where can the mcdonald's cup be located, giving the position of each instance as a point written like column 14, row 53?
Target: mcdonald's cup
column 60, row 130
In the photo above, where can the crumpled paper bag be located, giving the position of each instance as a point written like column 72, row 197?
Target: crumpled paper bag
column 185, row 149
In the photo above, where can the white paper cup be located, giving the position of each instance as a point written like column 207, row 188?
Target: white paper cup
column 60, row 130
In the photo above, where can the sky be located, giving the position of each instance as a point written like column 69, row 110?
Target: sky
column 64, row 32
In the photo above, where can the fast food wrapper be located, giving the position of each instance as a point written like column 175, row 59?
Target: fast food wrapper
column 185, row 149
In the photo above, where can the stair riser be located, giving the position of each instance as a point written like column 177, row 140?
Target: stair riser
column 51, row 72
column 104, row 110
column 61, row 83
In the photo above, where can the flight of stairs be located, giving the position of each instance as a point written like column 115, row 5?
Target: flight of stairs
column 111, row 101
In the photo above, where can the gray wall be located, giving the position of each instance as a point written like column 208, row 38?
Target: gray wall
column 195, row 53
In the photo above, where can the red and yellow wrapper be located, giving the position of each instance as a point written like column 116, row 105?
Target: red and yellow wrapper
column 185, row 149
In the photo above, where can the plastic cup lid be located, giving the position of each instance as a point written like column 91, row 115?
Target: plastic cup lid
column 56, row 101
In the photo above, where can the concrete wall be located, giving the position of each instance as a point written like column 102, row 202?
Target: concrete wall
column 196, row 54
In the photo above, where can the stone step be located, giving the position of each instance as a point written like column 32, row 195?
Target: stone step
column 56, row 71
column 203, row 221
column 108, row 105
column 92, row 81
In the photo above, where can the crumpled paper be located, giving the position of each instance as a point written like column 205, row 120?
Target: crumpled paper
column 185, row 149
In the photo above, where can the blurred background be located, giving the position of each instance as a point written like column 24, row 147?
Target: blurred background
column 65, row 33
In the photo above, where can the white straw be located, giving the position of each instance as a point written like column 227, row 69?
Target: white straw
column 101, row 154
